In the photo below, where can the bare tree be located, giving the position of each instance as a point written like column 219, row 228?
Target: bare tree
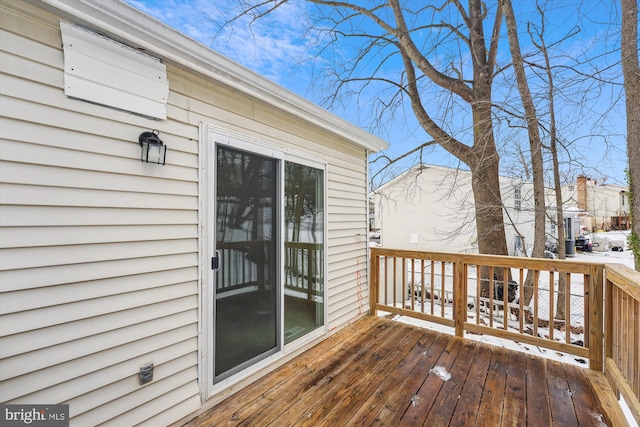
column 411, row 33
column 542, row 71
column 535, row 142
column 631, row 70
column 434, row 61
column 553, row 148
column 536, row 146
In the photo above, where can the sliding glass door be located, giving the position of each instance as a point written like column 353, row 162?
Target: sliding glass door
column 304, row 250
column 247, row 296
column 268, row 254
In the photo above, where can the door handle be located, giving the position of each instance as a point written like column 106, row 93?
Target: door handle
column 215, row 261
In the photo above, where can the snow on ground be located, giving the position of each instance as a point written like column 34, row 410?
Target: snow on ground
column 625, row 257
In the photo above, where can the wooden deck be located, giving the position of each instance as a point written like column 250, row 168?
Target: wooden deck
column 379, row 372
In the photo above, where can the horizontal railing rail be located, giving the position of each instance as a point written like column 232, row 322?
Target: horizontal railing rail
column 551, row 304
column 622, row 334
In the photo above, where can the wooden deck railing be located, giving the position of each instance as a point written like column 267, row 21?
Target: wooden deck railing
column 304, row 268
column 468, row 293
column 622, row 334
column 247, row 262
column 245, row 265
column 518, row 299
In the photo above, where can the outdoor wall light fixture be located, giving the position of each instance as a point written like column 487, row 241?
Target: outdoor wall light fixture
column 153, row 149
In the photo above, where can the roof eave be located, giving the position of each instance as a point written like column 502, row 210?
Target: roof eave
column 124, row 22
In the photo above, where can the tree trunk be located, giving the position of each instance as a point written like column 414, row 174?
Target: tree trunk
column 485, row 183
column 535, row 146
column 482, row 158
column 631, row 72
column 553, row 147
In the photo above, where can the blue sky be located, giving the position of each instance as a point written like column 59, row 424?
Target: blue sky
column 282, row 48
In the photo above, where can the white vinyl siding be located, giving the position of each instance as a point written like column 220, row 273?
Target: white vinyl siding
column 99, row 252
column 436, row 204
column 99, row 269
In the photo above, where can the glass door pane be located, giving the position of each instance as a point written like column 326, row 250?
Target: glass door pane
column 246, row 292
column 304, row 250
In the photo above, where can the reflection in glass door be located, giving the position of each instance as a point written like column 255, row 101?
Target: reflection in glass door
column 304, row 250
column 246, row 295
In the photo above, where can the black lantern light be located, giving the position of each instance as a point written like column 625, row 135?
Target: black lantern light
column 153, row 149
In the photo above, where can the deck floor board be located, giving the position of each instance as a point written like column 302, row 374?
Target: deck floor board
column 515, row 397
column 563, row 413
column 467, row 408
column 493, row 394
column 538, row 409
column 381, row 372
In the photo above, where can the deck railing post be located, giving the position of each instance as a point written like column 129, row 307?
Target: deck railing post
column 596, row 317
column 459, row 296
column 608, row 319
column 374, row 282
column 310, row 273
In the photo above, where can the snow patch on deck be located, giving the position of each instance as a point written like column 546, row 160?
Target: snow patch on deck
column 441, row 371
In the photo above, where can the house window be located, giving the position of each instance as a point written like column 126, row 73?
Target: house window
column 372, row 215
column 517, row 197
column 622, row 197
column 517, row 245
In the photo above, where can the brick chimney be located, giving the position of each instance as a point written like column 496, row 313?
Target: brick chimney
column 582, row 192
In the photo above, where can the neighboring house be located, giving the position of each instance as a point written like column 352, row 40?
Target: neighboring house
column 605, row 206
column 107, row 263
column 432, row 208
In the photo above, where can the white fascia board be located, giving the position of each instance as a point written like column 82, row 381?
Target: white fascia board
column 129, row 25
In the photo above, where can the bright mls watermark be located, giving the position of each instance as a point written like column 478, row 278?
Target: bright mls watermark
column 34, row 415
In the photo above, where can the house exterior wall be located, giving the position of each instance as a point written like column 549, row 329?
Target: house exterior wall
column 601, row 203
column 432, row 208
column 607, row 202
column 99, row 253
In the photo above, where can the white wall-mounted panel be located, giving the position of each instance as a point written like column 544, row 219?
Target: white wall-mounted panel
column 100, row 70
